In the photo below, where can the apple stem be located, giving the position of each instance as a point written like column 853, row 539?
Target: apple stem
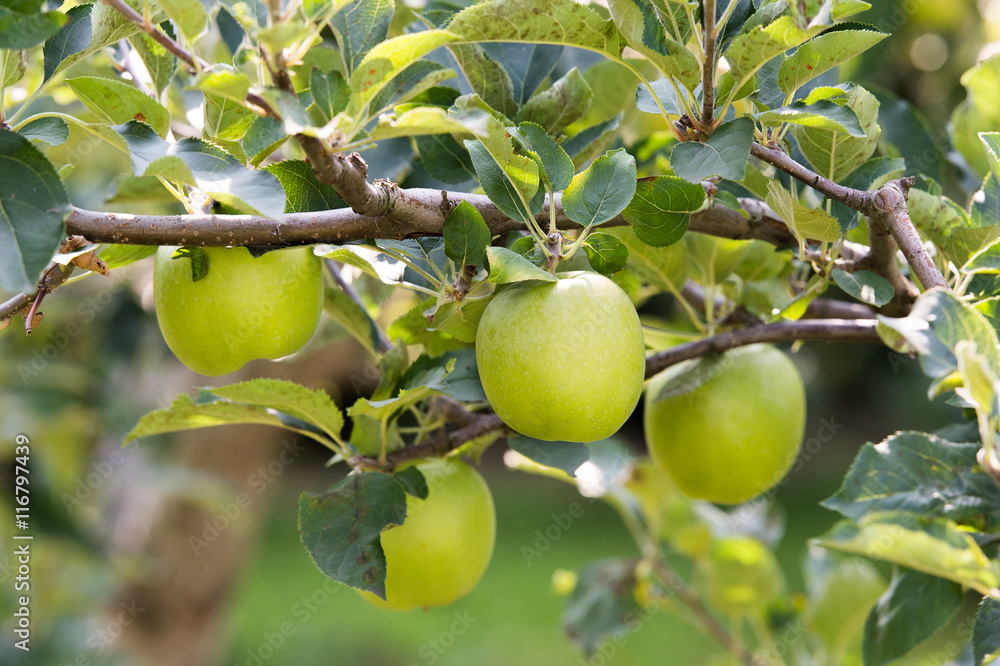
column 553, row 243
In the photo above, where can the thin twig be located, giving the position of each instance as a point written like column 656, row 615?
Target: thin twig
column 677, row 586
column 437, row 446
column 831, row 330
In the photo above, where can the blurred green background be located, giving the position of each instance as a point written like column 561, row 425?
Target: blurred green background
column 98, row 363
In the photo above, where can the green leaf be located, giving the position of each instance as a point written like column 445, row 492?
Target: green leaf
column 413, row 481
column 160, row 63
column 424, row 120
column 359, row 26
column 935, row 217
column 754, row 47
column 509, row 180
column 108, row 25
column 445, row 159
column 115, row 102
column 329, row 92
column 417, row 77
column 866, row 286
column 919, row 473
column 185, row 414
column 563, row 22
column 116, row 256
column 661, row 209
column 508, row 266
column 197, row 163
column 602, row 191
column 936, row 324
column 660, row 267
column 265, row 135
column 199, row 261
column 22, row 30
column 932, row 545
column 914, row 607
column 556, row 167
column 342, row 528
column 188, row 15
column 602, row 604
column 605, row 252
column 663, row 91
column 986, row 633
column 640, row 25
column 463, row 381
column 563, row 102
column 313, row 406
column 71, row 39
column 389, row 58
column 823, row 53
column 53, row 131
column 527, row 65
column 724, row 154
column 352, row 318
column 466, row 236
column 979, row 112
column 991, row 142
column 33, row 206
column 13, row 64
column 984, row 209
column 823, row 114
column 567, row 456
column 225, row 89
column 807, row 223
column 487, row 77
column 836, row 154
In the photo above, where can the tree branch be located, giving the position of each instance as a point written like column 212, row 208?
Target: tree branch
column 437, row 446
column 832, row 330
column 708, row 67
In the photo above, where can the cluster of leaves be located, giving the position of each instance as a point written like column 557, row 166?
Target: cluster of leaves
column 370, row 77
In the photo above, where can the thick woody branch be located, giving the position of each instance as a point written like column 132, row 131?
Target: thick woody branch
column 831, row 330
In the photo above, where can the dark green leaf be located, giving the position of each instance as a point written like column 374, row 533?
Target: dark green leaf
column 984, row 210
column 823, row 114
column 558, row 106
column 906, row 132
column 758, row 43
column 567, row 456
column 602, row 191
column 445, row 159
column 639, row 23
column 938, row 322
column 508, row 266
column 596, row 135
column 487, row 77
column 352, row 318
column 866, row 286
column 70, row 40
column 329, row 92
column 359, row 26
column 917, row 472
column 463, row 381
column 199, row 260
column 304, row 193
column 527, row 65
column 914, row 607
column 116, row 256
column 264, row 136
column 466, row 236
column 986, row 633
column 510, row 194
column 33, row 205
column 413, row 481
column 725, row 153
column 835, row 154
column 24, row 30
column 555, row 165
column 661, row 209
column 412, row 80
column 342, row 528
column 602, row 605
column 195, row 162
column 53, row 131
column 606, row 253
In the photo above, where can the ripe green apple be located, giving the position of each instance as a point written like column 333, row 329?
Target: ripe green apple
column 741, row 575
column 562, row 360
column 243, row 309
column 442, row 549
column 736, row 435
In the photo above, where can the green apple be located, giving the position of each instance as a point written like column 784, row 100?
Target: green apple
column 442, row 549
column 741, row 575
column 242, row 309
column 562, row 360
column 734, row 436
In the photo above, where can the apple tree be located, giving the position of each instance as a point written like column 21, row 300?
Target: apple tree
column 705, row 154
